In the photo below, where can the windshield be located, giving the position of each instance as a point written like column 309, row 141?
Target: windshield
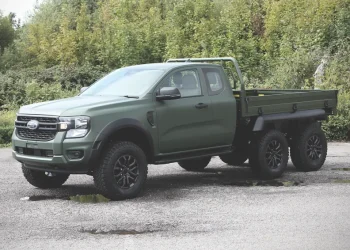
column 125, row 82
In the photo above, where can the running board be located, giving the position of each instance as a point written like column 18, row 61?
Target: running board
column 193, row 154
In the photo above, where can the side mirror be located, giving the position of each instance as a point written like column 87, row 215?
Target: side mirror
column 168, row 93
column 83, row 89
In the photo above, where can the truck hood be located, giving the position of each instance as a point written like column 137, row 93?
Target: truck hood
column 80, row 104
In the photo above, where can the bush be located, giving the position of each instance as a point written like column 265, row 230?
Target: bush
column 68, row 76
column 6, row 126
column 12, row 92
column 52, row 83
column 15, row 94
column 36, row 92
column 294, row 71
column 7, row 118
column 5, row 134
column 337, row 72
column 338, row 127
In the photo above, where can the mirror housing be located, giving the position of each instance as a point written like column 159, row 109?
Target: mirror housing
column 83, row 89
column 168, row 93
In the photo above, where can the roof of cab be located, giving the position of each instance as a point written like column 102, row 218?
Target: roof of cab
column 168, row 66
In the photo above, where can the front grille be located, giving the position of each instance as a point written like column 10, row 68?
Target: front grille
column 47, row 129
column 38, row 118
column 40, row 135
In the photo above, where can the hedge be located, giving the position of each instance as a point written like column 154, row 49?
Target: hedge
column 5, row 134
column 337, row 128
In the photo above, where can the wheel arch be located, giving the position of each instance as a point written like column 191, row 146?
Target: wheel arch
column 125, row 130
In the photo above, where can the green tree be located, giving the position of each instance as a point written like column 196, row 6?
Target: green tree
column 7, row 31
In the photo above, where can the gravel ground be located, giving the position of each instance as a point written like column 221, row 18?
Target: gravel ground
column 221, row 208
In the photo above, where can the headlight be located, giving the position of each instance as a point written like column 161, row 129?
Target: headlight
column 76, row 127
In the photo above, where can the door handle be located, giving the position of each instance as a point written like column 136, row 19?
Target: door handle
column 201, row 105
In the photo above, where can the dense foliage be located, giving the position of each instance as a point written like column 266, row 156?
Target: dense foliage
column 6, row 126
column 278, row 43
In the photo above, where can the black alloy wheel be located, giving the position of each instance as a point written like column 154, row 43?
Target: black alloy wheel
column 314, row 147
column 126, row 171
column 122, row 172
column 308, row 149
column 269, row 154
column 274, row 154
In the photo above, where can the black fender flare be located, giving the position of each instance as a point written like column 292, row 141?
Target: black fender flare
column 103, row 137
column 318, row 114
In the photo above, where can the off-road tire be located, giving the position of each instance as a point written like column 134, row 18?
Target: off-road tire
column 42, row 180
column 236, row 158
column 269, row 155
column 104, row 175
column 301, row 147
column 195, row 164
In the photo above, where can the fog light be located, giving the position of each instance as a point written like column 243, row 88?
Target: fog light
column 49, row 153
column 20, row 151
column 75, row 154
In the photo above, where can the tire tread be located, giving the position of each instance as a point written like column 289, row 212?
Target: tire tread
column 298, row 160
column 195, row 164
column 101, row 173
column 257, row 145
column 40, row 180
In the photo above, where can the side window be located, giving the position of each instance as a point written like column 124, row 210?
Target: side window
column 214, row 81
column 187, row 81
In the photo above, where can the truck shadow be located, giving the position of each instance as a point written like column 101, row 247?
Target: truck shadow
column 171, row 186
column 175, row 185
column 210, row 176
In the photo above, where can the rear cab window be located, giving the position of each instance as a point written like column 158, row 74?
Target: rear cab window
column 213, row 80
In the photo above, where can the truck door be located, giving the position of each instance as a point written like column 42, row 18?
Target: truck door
column 186, row 123
column 223, row 104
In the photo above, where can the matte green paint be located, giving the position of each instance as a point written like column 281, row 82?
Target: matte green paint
column 179, row 125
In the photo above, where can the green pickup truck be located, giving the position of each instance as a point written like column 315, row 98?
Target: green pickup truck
column 185, row 111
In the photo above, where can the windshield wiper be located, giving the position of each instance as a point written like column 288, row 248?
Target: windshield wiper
column 130, row 96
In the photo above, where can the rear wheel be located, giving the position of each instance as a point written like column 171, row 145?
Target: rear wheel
column 43, row 179
column 122, row 172
column 269, row 155
column 309, row 149
column 195, row 164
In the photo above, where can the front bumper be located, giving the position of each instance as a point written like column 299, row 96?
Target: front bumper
column 59, row 161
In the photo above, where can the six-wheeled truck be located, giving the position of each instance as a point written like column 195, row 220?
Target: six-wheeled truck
column 185, row 111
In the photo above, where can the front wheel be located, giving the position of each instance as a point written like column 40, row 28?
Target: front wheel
column 309, row 149
column 195, row 164
column 122, row 172
column 43, row 179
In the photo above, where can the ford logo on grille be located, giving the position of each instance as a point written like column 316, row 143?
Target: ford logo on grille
column 33, row 124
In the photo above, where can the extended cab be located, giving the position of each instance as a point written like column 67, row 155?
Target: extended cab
column 185, row 111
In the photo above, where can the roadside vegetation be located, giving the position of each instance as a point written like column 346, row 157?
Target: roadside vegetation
column 67, row 44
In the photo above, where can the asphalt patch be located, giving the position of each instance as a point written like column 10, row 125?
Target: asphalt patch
column 341, row 169
column 267, row 183
column 90, row 198
column 114, row 231
column 341, row 181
